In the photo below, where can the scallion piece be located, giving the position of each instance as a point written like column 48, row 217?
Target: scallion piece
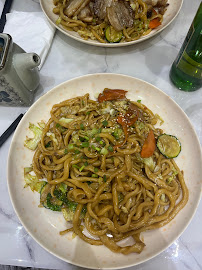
column 104, row 151
column 70, row 146
column 96, row 170
column 105, row 178
column 105, row 123
column 93, row 147
column 76, row 151
column 82, row 126
column 81, row 169
column 98, row 149
column 98, row 139
column 75, row 166
column 110, row 148
column 85, row 144
column 65, row 151
column 86, row 163
column 94, row 175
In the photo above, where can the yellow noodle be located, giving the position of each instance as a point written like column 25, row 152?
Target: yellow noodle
column 121, row 195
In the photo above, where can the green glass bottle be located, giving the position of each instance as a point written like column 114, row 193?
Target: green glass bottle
column 186, row 71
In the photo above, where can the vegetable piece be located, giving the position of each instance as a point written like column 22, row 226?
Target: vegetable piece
column 105, row 178
column 111, row 94
column 70, row 146
column 149, row 145
column 68, row 212
column 70, row 207
column 53, row 203
column 44, row 193
column 58, row 21
column 104, row 151
column 150, row 163
column 63, row 187
column 163, row 197
column 64, row 120
column 82, row 126
column 154, row 23
column 85, row 144
column 105, row 123
column 110, row 148
column 32, row 181
column 113, row 36
column 32, row 143
column 75, row 166
column 126, row 121
column 169, row 145
column 170, row 179
column 52, row 137
column 118, row 132
column 81, row 169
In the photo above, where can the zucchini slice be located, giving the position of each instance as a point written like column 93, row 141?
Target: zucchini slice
column 169, row 145
column 113, row 36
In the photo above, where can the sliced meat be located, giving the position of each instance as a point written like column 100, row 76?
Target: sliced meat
column 162, row 3
column 119, row 15
column 151, row 2
column 100, row 8
column 85, row 3
column 85, row 15
column 73, row 6
column 113, row 19
column 155, row 3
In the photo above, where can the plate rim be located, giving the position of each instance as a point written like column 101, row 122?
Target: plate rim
column 20, row 217
column 109, row 45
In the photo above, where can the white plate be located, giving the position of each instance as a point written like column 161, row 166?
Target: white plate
column 171, row 13
column 44, row 225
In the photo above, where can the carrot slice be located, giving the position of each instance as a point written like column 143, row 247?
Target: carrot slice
column 154, row 23
column 149, row 145
column 111, row 94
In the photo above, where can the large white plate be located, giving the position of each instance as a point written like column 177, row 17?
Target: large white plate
column 44, row 225
column 171, row 13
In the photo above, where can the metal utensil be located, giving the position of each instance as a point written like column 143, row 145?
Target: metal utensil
column 10, row 129
column 6, row 9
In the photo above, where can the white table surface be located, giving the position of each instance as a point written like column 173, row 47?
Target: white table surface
column 151, row 61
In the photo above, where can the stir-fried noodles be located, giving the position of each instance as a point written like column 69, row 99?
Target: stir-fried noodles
column 107, row 168
column 110, row 20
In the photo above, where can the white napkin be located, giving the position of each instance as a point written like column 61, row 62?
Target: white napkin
column 31, row 31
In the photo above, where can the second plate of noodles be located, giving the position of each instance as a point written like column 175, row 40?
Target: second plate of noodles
column 106, row 172
column 103, row 170
column 111, row 23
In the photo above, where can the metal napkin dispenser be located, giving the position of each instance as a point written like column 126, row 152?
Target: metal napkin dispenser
column 19, row 75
